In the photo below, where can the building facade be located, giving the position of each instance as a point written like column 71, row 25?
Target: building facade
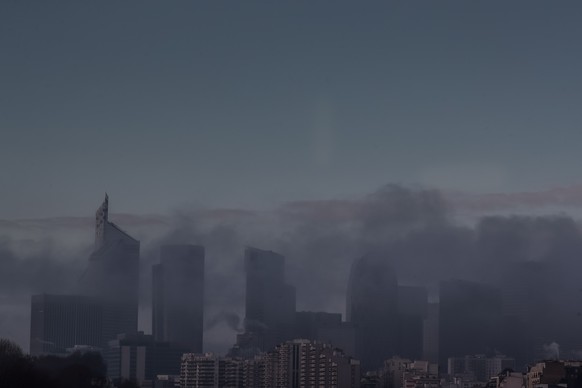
column 470, row 317
column 60, row 322
column 372, row 309
column 292, row 364
column 112, row 275
column 139, row 358
column 479, row 367
column 178, row 296
column 269, row 301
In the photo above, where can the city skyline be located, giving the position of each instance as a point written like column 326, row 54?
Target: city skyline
column 363, row 195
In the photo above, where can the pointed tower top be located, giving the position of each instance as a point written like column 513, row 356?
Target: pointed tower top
column 101, row 219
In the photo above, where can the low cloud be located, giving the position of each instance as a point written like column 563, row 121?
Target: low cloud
column 414, row 228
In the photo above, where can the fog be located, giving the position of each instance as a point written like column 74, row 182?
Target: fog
column 425, row 234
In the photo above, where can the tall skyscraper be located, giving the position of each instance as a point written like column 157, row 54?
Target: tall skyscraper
column 372, row 308
column 412, row 311
column 59, row 322
column 112, row 275
column 270, row 302
column 178, row 296
column 470, row 317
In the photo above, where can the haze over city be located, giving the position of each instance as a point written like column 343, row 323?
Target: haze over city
column 428, row 146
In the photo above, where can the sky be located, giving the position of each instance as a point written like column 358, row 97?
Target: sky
column 297, row 116
column 250, row 104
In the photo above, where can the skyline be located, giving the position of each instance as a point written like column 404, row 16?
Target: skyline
column 250, row 106
column 391, row 178
column 412, row 226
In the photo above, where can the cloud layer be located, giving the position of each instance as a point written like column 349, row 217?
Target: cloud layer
column 414, row 229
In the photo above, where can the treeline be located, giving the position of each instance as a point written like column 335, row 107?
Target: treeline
column 87, row 370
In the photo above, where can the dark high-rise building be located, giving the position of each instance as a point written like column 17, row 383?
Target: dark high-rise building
column 112, row 275
column 270, row 302
column 308, row 324
column 59, row 322
column 412, row 311
column 470, row 317
column 140, row 358
column 178, row 296
column 372, row 309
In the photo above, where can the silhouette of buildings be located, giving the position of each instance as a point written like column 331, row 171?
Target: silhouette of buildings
column 138, row 357
column 112, row 275
column 269, row 302
column 412, row 312
column 430, row 334
column 478, row 367
column 308, row 324
column 327, row 328
column 59, row 322
column 470, row 316
column 372, row 309
column 178, row 296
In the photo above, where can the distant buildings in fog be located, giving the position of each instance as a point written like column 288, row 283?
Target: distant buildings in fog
column 59, row 322
column 107, row 303
column 372, row 309
column 383, row 320
column 478, row 367
column 112, row 275
column 140, row 358
column 178, row 296
column 269, row 301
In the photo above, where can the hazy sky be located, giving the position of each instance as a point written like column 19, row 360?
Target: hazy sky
column 251, row 103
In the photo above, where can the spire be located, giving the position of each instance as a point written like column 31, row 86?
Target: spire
column 101, row 219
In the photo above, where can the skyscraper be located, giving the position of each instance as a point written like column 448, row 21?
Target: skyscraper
column 270, row 302
column 178, row 296
column 59, row 322
column 112, row 275
column 372, row 308
column 470, row 316
column 412, row 311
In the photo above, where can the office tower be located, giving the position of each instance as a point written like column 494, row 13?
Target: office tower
column 478, row 367
column 59, row 322
column 270, row 302
column 529, row 300
column 470, row 316
column 372, row 308
column 138, row 357
column 326, row 328
column 309, row 323
column 112, row 275
column 430, row 334
column 412, row 311
column 178, row 296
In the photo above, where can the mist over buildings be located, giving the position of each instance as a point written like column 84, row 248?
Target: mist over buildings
column 414, row 230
